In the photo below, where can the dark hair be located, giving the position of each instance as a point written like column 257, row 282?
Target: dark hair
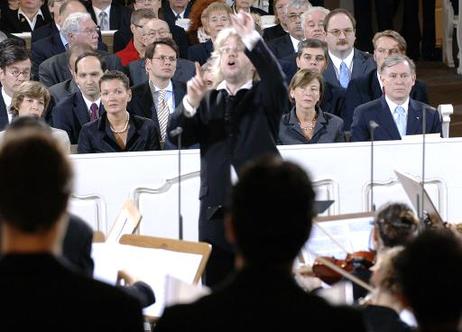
column 115, row 75
column 338, row 11
column 11, row 54
column 12, row 42
column 429, row 270
column 312, row 43
column 266, row 232
column 151, row 49
column 397, row 224
column 28, row 202
column 93, row 54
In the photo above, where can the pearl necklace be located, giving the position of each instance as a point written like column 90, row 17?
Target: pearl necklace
column 309, row 125
column 124, row 129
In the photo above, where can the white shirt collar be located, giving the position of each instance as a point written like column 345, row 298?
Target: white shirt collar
column 34, row 19
column 295, row 42
column 380, row 81
column 392, row 105
column 7, row 100
column 348, row 60
column 169, row 87
column 175, row 13
column 89, row 102
column 223, row 86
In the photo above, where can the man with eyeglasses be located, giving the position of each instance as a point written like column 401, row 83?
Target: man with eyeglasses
column 396, row 113
column 77, row 28
column 108, row 14
column 287, row 45
column 345, row 61
column 15, row 68
column 369, row 87
column 157, row 98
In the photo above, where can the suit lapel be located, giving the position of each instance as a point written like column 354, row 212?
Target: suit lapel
column 329, row 74
column 81, row 111
column 114, row 17
column 358, row 68
column 178, row 92
column 386, row 120
column 376, row 91
column 3, row 114
column 414, row 119
column 145, row 100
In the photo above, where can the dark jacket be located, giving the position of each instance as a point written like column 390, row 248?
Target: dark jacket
column 282, row 46
column 185, row 70
column 273, row 32
column 200, row 52
column 10, row 22
column 119, row 16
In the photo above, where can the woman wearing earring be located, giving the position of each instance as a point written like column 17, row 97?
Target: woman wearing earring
column 117, row 130
column 306, row 123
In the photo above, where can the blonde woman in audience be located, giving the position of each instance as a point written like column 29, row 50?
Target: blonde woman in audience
column 32, row 99
column 307, row 123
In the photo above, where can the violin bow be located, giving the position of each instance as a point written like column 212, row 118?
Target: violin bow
column 326, row 233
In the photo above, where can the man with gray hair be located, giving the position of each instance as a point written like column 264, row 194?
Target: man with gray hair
column 287, row 45
column 313, row 22
column 395, row 112
column 235, row 123
column 77, row 28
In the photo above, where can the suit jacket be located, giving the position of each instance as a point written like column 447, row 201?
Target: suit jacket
column 168, row 15
column 119, row 16
column 273, row 32
column 96, row 136
column 328, row 129
column 185, row 70
column 4, row 121
column 259, row 300
column 282, row 46
column 367, row 88
column 55, row 69
column 44, row 31
column 378, row 111
column 363, row 63
column 143, row 105
column 49, row 285
column 124, row 35
column 200, row 52
column 231, row 131
column 63, row 89
column 77, row 245
column 10, row 22
column 71, row 113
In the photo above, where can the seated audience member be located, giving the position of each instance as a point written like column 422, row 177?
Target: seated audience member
column 15, row 68
column 32, row 241
column 68, row 87
column 307, row 123
column 208, row 74
column 117, row 130
column 197, row 30
column 108, row 14
column 217, row 18
column 266, row 249
column 395, row 112
column 51, row 27
column 288, row 44
column 313, row 23
column 280, row 29
column 369, row 87
column 83, row 106
column 157, row 98
column 246, row 6
column 433, row 296
column 142, row 25
column 345, row 61
column 78, row 28
column 173, row 10
column 31, row 99
column 30, row 15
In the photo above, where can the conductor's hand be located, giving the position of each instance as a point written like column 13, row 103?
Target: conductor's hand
column 196, row 88
column 243, row 23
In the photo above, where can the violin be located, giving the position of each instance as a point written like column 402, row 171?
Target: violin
column 323, row 271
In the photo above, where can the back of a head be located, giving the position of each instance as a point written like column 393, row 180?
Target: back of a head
column 35, row 178
column 429, row 270
column 272, row 210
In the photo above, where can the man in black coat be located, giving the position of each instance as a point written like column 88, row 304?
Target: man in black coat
column 116, row 16
column 232, row 124
column 30, row 15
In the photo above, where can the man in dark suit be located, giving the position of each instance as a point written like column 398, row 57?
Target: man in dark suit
column 160, row 93
column 233, row 124
column 345, row 61
column 109, row 15
column 395, row 112
column 72, row 112
column 262, row 295
column 175, row 9
column 30, row 267
column 50, row 28
column 15, row 68
column 279, row 29
column 369, row 87
column 288, row 44
column 30, row 15
column 78, row 28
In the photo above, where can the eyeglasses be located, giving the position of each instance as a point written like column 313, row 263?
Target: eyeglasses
column 163, row 58
column 294, row 16
column 93, row 31
column 337, row 32
column 146, row 1
column 154, row 33
column 229, row 50
column 16, row 73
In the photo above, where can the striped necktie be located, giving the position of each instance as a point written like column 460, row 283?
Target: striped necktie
column 163, row 113
column 103, row 22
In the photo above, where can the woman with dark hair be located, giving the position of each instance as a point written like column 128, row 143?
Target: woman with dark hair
column 117, row 130
column 307, row 123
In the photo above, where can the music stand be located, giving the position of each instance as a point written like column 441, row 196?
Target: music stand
column 413, row 189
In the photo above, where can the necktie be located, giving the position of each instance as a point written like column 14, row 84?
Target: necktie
column 162, row 114
column 103, row 22
column 177, row 17
column 344, row 75
column 400, row 119
column 94, row 112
